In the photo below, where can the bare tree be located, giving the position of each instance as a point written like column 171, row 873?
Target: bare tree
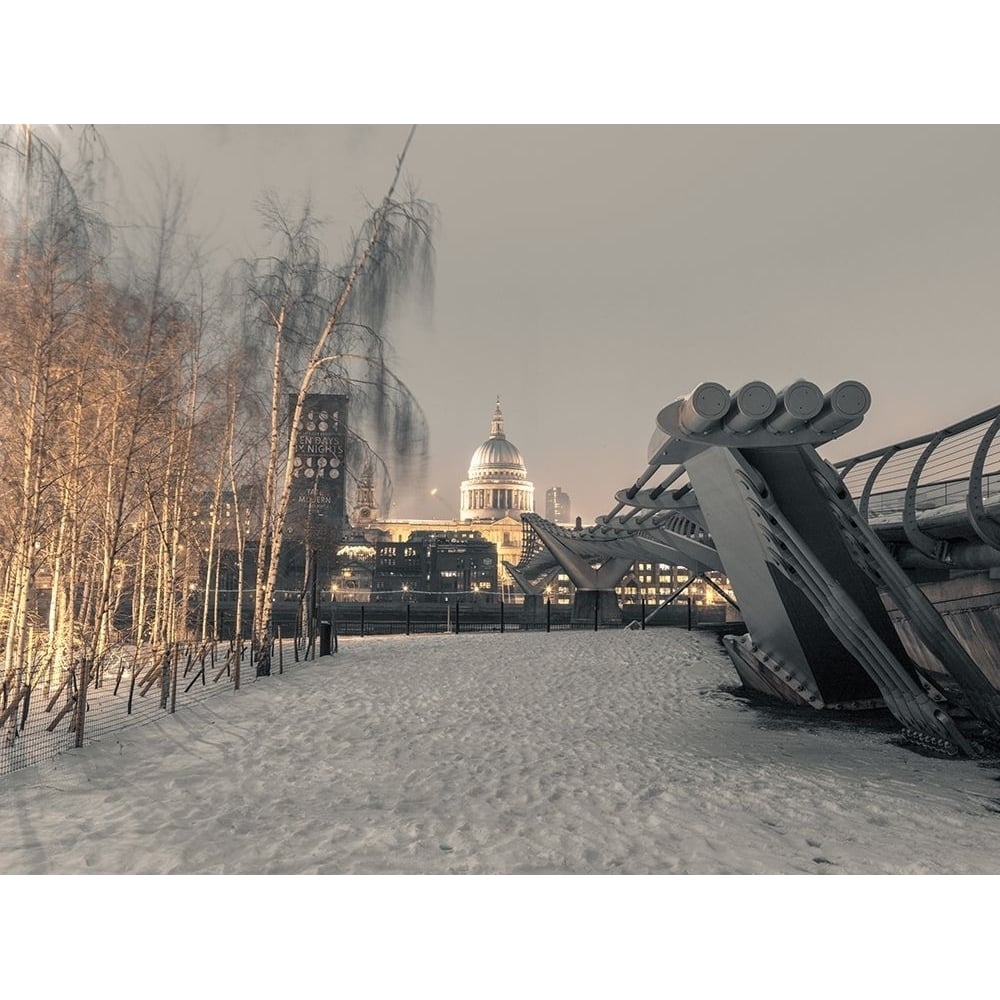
column 101, row 411
column 140, row 451
column 326, row 332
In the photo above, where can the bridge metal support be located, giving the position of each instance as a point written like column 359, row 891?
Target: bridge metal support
column 595, row 607
column 983, row 525
column 815, row 668
column 595, row 584
column 658, row 610
column 931, row 547
column 533, row 609
column 530, row 587
column 807, row 570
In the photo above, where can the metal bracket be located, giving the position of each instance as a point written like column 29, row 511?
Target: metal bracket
column 933, row 548
column 983, row 525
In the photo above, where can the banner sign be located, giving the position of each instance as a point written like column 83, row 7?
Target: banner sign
column 318, row 488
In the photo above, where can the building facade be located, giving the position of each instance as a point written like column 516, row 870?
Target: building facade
column 498, row 481
column 493, row 498
column 432, row 566
column 505, row 534
column 430, row 559
column 557, row 505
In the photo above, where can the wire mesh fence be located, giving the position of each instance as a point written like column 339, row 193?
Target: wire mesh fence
column 129, row 686
column 135, row 685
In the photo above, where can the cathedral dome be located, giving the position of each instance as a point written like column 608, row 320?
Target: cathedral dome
column 498, row 481
column 497, row 455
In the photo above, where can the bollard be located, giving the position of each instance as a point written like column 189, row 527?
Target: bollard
column 689, row 614
column 407, row 617
column 548, row 615
column 325, row 633
column 362, row 620
column 642, row 615
column 501, row 617
column 458, row 604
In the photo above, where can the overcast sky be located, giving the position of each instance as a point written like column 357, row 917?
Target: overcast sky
column 590, row 275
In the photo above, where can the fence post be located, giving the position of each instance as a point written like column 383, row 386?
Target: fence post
column 597, row 607
column 173, row 684
column 407, row 617
column 458, row 604
column 548, row 614
column 281, row 658
column 642, row 613
column 689, row 613
column 362, row 630
column 165, row 677
column 81, row 701
column 501, row 617
column 131, row 686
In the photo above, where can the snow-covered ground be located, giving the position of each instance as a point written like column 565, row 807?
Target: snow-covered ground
column 572, row 752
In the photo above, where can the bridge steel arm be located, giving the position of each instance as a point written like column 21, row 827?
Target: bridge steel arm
column 809, row 568
column 575, row 557
column 983, row 525
column 866, row 493
column 806, row 567
column 532, row 585
column 935, row 549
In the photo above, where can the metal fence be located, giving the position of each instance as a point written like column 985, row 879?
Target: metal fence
column 934, row 470
column 437, row 617
column 136, row 685
column 129, row 686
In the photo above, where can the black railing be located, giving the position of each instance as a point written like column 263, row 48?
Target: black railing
column 462, row 618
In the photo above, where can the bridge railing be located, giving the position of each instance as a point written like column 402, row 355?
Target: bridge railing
column 933, row 470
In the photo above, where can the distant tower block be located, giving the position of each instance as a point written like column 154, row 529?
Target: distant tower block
column 498, row 482
column 557, row 508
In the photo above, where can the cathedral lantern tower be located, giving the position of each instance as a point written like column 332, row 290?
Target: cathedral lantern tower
column 498, row 482
column 365, row 511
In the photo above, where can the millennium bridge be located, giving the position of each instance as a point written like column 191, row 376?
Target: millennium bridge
column 865, row 583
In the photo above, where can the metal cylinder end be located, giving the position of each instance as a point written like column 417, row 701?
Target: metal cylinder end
column 844, row 403
column 704, row 407
column 750, row 406
column 797, row 404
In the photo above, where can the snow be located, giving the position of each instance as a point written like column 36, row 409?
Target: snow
column 572, row 752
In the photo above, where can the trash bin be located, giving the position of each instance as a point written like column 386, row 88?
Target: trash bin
column 325, row 633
